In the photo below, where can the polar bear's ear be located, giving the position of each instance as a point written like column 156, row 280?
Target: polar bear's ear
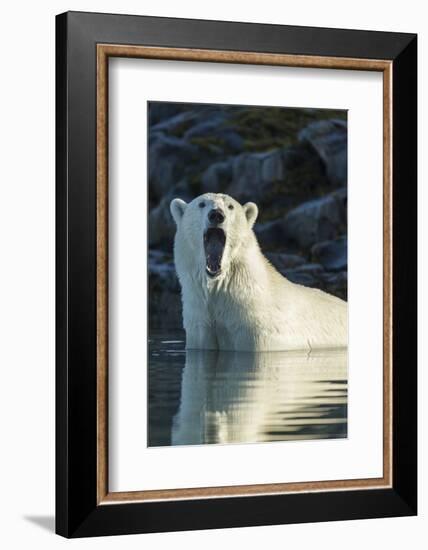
column 177, row 208
column 251, row 212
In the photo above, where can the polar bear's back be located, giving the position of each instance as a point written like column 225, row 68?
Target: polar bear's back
column 270, row 313
column 313, row 318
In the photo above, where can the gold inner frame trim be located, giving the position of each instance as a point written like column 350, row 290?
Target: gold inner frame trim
column 104, row 51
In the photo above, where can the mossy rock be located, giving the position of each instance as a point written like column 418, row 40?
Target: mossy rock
column 266, row 128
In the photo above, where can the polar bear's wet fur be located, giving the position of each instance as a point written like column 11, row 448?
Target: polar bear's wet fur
column 233, row 298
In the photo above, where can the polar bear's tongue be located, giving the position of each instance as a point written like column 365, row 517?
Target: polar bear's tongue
column 214, row 241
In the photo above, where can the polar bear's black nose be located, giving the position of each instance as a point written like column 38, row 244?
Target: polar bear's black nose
column 216, row 216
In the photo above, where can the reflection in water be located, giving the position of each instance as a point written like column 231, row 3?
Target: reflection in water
column 198, row 397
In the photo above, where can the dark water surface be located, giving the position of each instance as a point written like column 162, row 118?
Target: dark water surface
column 199, row 397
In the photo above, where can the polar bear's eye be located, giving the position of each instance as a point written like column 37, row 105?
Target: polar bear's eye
column 230, row 206
column 201, row 205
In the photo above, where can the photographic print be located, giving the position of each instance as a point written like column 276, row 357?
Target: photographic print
column 247, row 234
column 203, row 274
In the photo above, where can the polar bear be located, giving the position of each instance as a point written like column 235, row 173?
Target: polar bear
column 233, row 298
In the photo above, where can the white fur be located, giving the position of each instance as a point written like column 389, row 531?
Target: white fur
column 250, row 306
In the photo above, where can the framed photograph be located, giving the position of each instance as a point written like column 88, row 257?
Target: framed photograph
column 236, row 274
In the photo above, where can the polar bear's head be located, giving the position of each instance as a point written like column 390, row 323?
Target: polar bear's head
column 215, row 227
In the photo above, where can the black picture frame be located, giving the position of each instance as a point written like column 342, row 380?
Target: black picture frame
column 77, row 512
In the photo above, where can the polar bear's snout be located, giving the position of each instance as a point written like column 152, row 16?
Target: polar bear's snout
column 216, row 216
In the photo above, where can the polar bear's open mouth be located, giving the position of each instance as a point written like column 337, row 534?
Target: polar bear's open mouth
column 214, row 243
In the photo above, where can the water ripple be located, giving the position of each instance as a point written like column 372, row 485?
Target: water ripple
column 201, row 397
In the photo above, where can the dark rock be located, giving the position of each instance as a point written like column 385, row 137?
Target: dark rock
column 246, row 176
column 175, row 124
column 314, row 276
column 154, row 137
column 315, row 269
column 159, row 111
column 213, row 128
column 158, row 256
column 341, row 195
column 161, row 224
column 273, row 166
column 333, row 255
column 217, row 178
column 296, row 155
column 164, row 290
column 336, row 284
column 162, row 271
column 314, row 221
column 270, row 235
column 169, row 158
column 233, row 142
column 329, row 138
column 307, row 274
column 253, row 174
column 207, row 126
column 301, row 277
column 284, row 261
